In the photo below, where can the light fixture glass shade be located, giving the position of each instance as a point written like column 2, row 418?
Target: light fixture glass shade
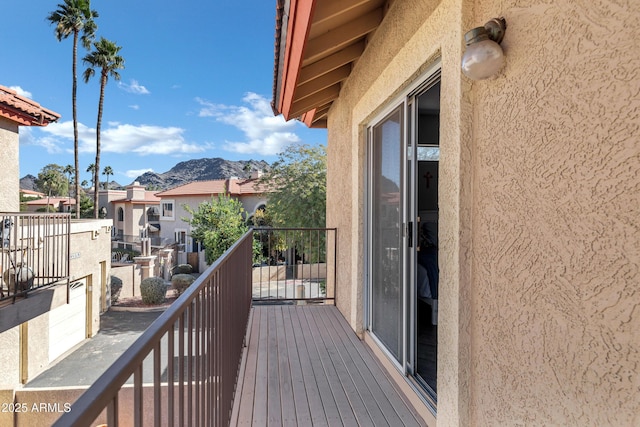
column 482, row 59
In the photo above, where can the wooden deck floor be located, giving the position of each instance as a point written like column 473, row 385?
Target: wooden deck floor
column 305, row 366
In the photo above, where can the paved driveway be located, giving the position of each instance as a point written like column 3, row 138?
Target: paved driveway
column 83, row 366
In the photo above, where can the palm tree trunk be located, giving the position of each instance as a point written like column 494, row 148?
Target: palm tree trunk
column 75, row 122
column 103, row 83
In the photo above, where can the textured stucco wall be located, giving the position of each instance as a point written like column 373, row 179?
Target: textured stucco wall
column 10, row 175
column 556, row 232
column 539, row 206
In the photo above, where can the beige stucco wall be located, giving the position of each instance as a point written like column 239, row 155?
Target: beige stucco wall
column 10, row 176
column 539, row 201
column 556, row 237
column 90, row 251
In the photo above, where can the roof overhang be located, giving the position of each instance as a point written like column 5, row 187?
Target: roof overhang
column 317, row 44
column 23, row 111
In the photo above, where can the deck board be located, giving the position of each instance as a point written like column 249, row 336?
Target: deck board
column 305, row 366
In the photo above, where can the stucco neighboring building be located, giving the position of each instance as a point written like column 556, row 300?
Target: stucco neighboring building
column 135, row 213
column 54, row 204
column 518, row 195
column 249, row 192
column 69, row 280
column 30, row 194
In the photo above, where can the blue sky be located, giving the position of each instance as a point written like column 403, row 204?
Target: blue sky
column 197, row 83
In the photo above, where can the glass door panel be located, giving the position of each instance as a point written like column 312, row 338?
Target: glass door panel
column 386, row 233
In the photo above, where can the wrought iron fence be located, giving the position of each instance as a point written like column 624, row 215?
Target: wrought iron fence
column 35, row 252
column 194, row 347
column 294, row 264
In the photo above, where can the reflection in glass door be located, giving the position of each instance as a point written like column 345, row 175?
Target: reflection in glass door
column 386, row 236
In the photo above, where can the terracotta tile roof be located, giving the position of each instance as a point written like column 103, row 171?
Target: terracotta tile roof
column 232, row 186
column 149, row 198
column 51, row 201
column 31, row 192
column 24, row 111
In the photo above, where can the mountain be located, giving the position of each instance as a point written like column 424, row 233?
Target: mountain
column 27, row 182
column 201, row 170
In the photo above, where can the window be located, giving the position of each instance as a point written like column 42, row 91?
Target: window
column 166, row 210
column 120, row 214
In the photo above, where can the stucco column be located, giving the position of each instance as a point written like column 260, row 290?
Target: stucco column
column 165, row 263
column 147, row 265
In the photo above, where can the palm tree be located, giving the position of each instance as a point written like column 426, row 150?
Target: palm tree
column 107, row 171
column 68, row 170
column 92, row 168
column 104, row 57
column 74, row 17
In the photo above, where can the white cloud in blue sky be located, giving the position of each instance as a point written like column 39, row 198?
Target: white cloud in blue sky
column 122, row 139
column 265, row 133
column 134, row 87
column 50, row 143
column 21, row 91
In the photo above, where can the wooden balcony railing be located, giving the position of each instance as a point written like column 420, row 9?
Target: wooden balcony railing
column 35, row 252
column 195, row 348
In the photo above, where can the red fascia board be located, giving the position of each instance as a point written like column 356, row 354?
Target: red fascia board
column 307, row 118
column 300, row 14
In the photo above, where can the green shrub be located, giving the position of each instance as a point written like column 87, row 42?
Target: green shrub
column 116, row 287
column 182, row 269
column 153, row 290
column 181, row 282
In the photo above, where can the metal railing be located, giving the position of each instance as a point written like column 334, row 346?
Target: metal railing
column 294, row 265
column 194, row 349
column 35, row 252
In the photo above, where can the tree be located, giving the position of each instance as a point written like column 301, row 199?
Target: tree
column 68, row 170
column 217, row 224
column 51, row 180
column 86, row 207
column 92, row 169
column 105, row 58
column 107, row 171
column 75, row 17
column 300, row 180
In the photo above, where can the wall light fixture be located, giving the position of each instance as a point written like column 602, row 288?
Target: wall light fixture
column 484, row 57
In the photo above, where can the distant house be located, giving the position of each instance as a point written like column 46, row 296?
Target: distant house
column 55, row 204
column 172, row 228
column 30, row 194
column 135, row 214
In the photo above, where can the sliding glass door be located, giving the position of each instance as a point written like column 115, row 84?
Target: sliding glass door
column 402, row 232
column 386, row 237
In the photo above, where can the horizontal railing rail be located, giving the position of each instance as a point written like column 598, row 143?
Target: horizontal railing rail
column 35, row 252
column 194, row 350
column 294, row 265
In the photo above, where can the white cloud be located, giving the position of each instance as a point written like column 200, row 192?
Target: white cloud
column 21, row 91
column 265, row 133
column 134, row 107
column 270, row 145
column 50, row 143
column 126, row 138
column 134, row 173
column 134, row 87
